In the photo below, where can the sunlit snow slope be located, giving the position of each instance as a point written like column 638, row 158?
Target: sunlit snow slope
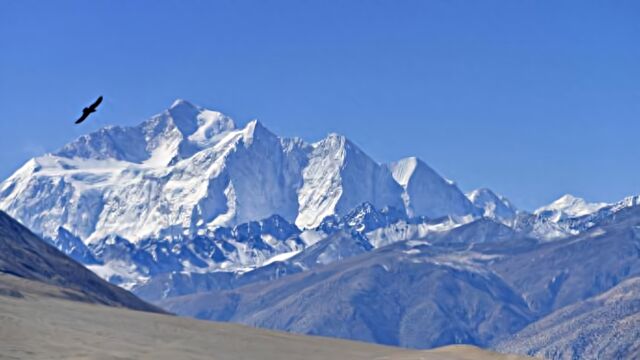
column 188, row 170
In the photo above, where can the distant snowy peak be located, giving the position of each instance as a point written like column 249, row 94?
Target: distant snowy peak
column 569, row 216
column 629, row 201
column 568, row 206
column 494, row 206
column 427, row 193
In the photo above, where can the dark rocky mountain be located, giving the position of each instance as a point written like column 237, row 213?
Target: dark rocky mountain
column 24, row 255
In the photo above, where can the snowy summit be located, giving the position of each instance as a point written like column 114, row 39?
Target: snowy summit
column 568, row 206
column 189, row 169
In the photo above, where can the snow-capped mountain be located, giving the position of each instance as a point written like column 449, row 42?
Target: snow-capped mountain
column 425, row 193
column 579, row 216
column 230, row 222
column 189, row 170
column 568, row 206
column 493, row 206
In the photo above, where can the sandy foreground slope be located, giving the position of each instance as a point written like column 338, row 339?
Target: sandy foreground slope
column 35, row 325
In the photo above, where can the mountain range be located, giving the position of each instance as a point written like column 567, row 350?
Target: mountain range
column 219, row 222
column 52, row 307
column 189, row 170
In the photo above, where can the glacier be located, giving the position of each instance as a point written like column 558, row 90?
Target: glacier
column 189, row 170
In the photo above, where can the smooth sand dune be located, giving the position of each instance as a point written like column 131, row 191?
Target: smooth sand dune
column 37, row 327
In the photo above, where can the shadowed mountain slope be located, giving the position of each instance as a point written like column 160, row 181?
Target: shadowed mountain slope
column 24, row 255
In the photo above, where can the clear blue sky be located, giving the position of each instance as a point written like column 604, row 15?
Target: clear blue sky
column 533, row 99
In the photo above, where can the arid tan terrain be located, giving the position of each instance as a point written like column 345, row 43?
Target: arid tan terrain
column 37, row 321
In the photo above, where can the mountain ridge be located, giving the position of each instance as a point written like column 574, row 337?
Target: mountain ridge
column 32, row 261
column 189, row 169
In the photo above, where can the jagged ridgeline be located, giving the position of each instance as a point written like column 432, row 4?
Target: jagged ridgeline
column 231, row 223
column 189, row 169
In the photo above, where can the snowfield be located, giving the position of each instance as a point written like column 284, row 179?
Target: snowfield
column 188, row 170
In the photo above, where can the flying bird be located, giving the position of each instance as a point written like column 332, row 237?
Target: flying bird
column 88, row 110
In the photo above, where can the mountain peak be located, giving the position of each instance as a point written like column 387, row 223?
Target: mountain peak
column 486, row 194
column 494, row 206
column 255, row 130
column 426, row 192
column 255, row 125
column 405, row 168
column 569, row 205
column 189, row 168
column 178, row 103
column 569, row 198
column 336, row 136
column 184, row 116
column 340, row 146
column 333, row 140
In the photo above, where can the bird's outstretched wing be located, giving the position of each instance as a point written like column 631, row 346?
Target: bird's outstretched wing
column 83, row 117
column 96, row 103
